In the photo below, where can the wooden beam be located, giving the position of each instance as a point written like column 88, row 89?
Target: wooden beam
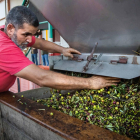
column 8, row 5
column 1, row 0
column 2, row 18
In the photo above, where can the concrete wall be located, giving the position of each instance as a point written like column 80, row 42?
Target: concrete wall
column 44, row 35
column 2, row 22
column 2, row 9
column 64, row 43
column 2, row 12
column 13, row 3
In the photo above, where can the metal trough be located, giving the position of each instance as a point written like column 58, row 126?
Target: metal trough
column 23, row 119
column 114, row 24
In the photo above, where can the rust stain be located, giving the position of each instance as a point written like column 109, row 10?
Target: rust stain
column 134, row 60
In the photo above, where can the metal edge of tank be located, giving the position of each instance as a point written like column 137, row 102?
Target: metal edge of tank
column 1, row 127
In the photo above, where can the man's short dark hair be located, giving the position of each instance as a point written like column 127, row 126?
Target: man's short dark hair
column 20, row 15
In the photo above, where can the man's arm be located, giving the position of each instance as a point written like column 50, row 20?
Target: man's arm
column 52, row 79
column 53, row 48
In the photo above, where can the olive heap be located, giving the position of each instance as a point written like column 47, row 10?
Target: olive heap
column 116, row 108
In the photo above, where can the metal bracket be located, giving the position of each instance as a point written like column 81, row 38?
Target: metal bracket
column 98, row 58
column 89, row 58
column 135, row 60
column 122, row 60
column 77, row 59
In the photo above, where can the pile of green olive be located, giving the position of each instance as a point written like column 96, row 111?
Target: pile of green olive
column 116, row 108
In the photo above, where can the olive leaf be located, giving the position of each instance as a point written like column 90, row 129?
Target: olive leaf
column 70, row 113
column 111, row 129
column 135, row 90
column 91, row 98
column 121, row 111
column 109, row 126
column 72, row 99
column 134, row 108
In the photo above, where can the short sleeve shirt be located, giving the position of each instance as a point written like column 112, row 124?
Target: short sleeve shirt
column 12, row 60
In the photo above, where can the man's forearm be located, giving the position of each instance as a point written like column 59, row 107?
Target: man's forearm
column 54, row 48
column 51, row 47
column 60, row 81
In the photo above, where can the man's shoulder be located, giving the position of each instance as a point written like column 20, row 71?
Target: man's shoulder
column 3, row 36
column 2, row 26
column 6, row 44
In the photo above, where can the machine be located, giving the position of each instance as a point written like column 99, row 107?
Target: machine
column 107, row 34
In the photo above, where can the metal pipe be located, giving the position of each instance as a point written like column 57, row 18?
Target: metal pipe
column 5, row 9
column 43, row 22
column 28, row 52
column 50, row 32
column 23, row 3
column 18, row 84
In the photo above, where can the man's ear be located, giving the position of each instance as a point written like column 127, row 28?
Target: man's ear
column 10, row 29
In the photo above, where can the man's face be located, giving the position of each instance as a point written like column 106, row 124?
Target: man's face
column 22, row 37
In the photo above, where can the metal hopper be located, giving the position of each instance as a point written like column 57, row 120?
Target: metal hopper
column 114, row 24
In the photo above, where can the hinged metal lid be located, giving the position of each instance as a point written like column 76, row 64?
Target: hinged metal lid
column 114, row 24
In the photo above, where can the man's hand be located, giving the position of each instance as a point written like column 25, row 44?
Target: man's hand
column 68, row 52
column 98, row 82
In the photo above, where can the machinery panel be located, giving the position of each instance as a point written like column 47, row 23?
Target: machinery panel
column 114, row 24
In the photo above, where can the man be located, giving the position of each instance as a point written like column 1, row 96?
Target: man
column 20, row 27
column 45, row 59
column 34, row 52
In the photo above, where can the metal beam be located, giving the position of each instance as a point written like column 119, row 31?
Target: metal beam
column 24, row 1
